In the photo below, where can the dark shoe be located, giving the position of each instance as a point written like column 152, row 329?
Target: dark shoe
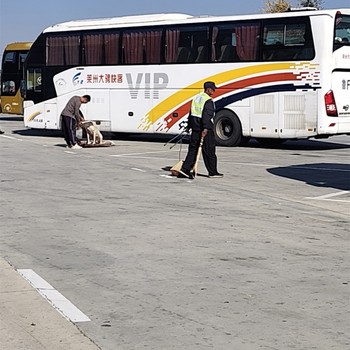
column 2, row 132
column 184, row 174
column 216, row 175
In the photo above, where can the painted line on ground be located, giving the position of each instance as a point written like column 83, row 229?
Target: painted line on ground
column 11, row 137
column 55, row 298
column 168, row 176
column 330, row 196
column 137, row 154
column 137, row 169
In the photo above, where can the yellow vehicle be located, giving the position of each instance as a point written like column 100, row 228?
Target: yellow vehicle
column 12, row 77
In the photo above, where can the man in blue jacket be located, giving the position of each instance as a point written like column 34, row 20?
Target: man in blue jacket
column 200, row 121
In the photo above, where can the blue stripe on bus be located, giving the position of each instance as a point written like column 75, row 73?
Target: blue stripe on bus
column 225, row 101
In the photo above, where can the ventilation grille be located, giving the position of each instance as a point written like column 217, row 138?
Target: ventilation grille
column 294, row 112
column 264, row 104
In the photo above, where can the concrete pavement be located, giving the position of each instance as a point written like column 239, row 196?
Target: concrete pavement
column 29, row 322
column 255, row 260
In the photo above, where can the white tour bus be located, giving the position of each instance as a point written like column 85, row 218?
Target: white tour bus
column 279, row 76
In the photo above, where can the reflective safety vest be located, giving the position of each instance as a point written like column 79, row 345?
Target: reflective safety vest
column 198, row 103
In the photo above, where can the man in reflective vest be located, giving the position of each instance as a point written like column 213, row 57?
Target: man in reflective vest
column 200, row 121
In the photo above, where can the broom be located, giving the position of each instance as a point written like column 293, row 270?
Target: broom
column 199, row 152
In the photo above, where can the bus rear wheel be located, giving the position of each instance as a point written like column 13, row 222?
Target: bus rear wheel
column 227, row 128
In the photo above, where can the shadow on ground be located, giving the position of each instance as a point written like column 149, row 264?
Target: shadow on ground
column 332, row 175
column 297, row 145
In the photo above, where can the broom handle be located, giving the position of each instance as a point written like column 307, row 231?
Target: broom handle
column 199, row 151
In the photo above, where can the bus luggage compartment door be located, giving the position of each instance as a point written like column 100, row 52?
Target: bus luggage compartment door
column 264, row 116
column 50, row 116
column 298, row 113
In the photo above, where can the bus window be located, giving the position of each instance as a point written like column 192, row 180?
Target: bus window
column 287, row 41
column 142, row 46
column 10, row 62
column 34, row 79
column 62, row 50
column 342, row 31
column 100, row 49
column 236, row 42
column 8, row 88
column 187, row 44
column 92, row 49
column 111, row 48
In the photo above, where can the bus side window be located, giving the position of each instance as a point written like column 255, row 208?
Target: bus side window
column 202, row 54
column 34, row 79
column 183, row 54
column 226, row 51
column 9, row 87
column 227, row 54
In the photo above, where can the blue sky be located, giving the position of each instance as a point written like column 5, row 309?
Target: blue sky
column 24, row 20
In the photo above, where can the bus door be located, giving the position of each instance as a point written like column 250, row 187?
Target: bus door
column 34, row 89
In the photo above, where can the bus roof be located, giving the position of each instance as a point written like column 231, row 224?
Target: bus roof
column 119, row 21
column 172, row 18
column 18, row 46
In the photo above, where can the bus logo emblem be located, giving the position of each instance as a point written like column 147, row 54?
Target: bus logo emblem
column 76, row 79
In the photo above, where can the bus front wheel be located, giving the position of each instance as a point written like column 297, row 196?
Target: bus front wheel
column 227, row 128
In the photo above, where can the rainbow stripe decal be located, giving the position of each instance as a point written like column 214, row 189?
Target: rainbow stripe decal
column 234, row 85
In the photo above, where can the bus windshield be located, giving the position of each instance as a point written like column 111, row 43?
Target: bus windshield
column 342, row 31
column 12, row 65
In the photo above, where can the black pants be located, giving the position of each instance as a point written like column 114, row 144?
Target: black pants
column 208, row 151
column 69, row 130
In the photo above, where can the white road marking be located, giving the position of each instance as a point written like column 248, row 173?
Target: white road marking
column 137, row 169
column 55, row 298
column 8, row 137
column 168, row 176
column 136, row 154
column 331, row 195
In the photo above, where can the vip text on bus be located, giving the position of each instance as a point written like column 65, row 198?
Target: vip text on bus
column 279, row 76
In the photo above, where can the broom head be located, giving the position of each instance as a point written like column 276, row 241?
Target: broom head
column 176, row 168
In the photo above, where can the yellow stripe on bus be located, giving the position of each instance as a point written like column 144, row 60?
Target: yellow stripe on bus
column 190, row 91
column 32, row 116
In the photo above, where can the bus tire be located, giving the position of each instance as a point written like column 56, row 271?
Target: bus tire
column 227, row 129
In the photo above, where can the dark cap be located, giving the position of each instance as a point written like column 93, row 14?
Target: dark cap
column 209, row 85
